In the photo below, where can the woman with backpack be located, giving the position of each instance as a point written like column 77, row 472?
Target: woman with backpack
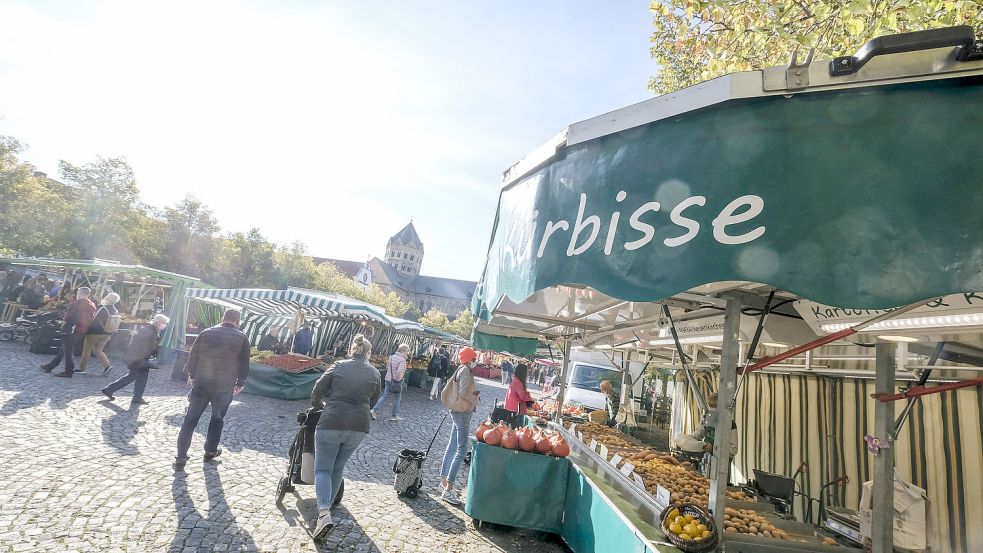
column 461, row 397
column 104, row 324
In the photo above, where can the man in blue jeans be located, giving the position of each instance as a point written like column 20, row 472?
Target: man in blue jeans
column 217, row 368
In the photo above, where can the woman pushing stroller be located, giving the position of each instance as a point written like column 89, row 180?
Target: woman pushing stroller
column 347, row 390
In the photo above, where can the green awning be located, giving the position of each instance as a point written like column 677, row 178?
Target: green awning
column 867, row 197
column 513, row 345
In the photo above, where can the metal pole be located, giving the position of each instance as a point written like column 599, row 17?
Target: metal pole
column 564, row 371
column 724, row 416
column 695, row 390
column 882, row 505
column 898, row 424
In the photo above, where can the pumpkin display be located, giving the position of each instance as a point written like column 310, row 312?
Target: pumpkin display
column 493, row 436
column 479, row 434
column 542, row 443
column 526, row 440
column 509, row 439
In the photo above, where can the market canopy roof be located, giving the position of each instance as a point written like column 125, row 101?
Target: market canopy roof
column 96, row 265
column 861, row 193
column 286, row 303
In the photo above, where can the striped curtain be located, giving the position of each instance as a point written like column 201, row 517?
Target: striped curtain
column 783, row 420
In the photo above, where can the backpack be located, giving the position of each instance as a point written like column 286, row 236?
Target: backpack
column 112, row 323
column 434, row 367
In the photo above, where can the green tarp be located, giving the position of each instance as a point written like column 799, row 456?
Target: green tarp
column 272, row 382
column 862, row 198
column 516, row 346
column 515, row 488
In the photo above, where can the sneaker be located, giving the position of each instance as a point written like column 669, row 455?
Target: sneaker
column 395, row 419
column 46, row 368
column 372, row 414
column 105, row 370
column 140, row 401
column 212, row 455
column 64, row 374
column 80, row 370
column 179, row 464
column 324, row 525
column 106, row 393
column 451, row 497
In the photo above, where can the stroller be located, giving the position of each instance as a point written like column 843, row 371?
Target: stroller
column 300, row 467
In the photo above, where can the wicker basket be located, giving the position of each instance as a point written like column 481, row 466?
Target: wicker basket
column 706, row 544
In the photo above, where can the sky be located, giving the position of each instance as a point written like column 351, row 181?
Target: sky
column 332, row 123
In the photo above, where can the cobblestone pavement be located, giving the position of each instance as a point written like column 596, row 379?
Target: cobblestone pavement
column 80, row 473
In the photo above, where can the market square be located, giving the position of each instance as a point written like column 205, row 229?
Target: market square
column 675, row 276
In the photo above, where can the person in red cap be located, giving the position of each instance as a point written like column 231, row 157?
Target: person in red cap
column 460, row 396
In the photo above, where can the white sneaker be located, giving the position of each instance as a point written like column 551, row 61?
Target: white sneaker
column 450, row 496
column 395, row 419
column 372, row 414
column 324, row 525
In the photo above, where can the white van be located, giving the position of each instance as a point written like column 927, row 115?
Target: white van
column 584, row 384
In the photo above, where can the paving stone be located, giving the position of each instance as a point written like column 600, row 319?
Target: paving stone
column 81, row 473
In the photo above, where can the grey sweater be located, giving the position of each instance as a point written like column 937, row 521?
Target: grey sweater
column 347, row 390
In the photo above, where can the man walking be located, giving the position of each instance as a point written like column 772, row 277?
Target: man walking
column 76, row 323
column 217, row 368
column 143, row 348
column 507, row 370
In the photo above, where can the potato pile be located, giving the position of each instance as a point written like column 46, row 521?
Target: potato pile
column 686, row 486
column 744, row 521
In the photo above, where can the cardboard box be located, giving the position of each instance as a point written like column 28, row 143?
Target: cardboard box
column 910, row 524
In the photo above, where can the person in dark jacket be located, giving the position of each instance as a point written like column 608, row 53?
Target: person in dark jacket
column 270, row 342
column 304, row 340
column 346, row 391
column 437, row 369
column 217, row 369
column 103, row 326
column 76, row 323
column 143, row 348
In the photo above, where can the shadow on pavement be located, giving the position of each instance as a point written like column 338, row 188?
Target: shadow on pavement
column 204, row 533
column 347, row 534
column 119, row 429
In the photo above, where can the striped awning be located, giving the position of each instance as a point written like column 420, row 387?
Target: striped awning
column 286, row 303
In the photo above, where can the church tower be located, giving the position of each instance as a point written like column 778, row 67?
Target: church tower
column 404, row 251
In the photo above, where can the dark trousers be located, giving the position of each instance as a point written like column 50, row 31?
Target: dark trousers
column 137, row 373
column 67, row 353
column 198, row 400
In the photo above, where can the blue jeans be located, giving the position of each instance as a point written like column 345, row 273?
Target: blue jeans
column 385, row 394
column 457, row 447
column 198, row 399
column 332, row 448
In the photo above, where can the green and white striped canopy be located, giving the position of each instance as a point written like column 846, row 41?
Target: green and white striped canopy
column 286, row 303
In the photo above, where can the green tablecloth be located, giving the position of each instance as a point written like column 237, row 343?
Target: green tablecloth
column 515, row 488
column 272, row 382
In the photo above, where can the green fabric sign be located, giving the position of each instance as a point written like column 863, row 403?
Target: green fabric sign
column 863, row 198
column 516, row 346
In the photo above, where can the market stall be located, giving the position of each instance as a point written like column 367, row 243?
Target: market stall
column 144, row 291
column 655, row 230
column 281, row 312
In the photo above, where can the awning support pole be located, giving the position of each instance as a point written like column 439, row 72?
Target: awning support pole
column 898, row 424
column 700, row 400
column 832, row 337
column 724, row 415
column 564, row 372
column 882, row 506
column 751, row 349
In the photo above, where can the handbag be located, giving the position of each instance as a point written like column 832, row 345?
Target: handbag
column 393, row 386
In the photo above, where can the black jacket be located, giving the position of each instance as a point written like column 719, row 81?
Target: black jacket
column 143, row 346
column 219, row 358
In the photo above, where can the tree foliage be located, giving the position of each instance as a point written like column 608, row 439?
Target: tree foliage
column 697, row 40
column 460, row 326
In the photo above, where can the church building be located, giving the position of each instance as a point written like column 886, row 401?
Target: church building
column 399, row 272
